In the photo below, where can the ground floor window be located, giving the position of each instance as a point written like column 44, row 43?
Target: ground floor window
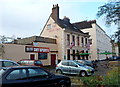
column 68, row 54
column 42, row 55
column 73, row 54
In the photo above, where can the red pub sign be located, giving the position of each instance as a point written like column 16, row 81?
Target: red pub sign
column 37, row 49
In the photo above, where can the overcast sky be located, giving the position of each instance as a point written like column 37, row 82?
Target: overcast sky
column 25, row 18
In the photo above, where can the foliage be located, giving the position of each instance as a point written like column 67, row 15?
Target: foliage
column 111, row 11
column 111, row 79
column 4, row 39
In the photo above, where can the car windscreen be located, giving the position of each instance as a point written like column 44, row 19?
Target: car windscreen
column 80, row 64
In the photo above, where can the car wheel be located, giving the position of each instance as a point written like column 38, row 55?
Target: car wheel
column 83, row 73
column 59, row 72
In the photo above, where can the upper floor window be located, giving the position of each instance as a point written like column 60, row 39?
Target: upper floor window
column 49, row 26
column 68, row 39
column 73, row 39
column 86, row 41
column 78, row 41
column 82, row 41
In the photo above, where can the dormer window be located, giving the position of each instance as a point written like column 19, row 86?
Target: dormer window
column 49, row 26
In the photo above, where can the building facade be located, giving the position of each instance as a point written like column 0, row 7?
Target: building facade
column 101, row 42
column 34, row 48
column 70, row 40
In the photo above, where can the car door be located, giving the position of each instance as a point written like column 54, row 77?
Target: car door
column 39, row 78
column 15, row 78
column 65, row 67
column 73, row 68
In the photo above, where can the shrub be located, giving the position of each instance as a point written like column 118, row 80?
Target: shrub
column 110, row 80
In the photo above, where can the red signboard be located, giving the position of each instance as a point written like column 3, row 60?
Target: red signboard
column 37, row 49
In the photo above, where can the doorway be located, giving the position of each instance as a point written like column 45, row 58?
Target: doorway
column 32, row 56
column 53, row 59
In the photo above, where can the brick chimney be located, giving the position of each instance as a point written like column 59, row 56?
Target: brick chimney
column 55, row 12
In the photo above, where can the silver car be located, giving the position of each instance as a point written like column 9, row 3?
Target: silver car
column 74, row 67
column 7, row 63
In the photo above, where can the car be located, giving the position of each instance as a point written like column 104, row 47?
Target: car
column 7, row 63
column 31, row 76
column 74, row 67
column 88, row 63
column 114, row 58
column 28, row 62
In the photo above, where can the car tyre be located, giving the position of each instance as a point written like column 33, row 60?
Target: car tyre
column 59, row 72
column 83, row 74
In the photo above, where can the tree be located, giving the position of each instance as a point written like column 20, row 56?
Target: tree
column 111, row 11
column 4, row 39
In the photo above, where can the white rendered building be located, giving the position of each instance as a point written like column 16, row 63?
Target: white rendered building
column 101, row 42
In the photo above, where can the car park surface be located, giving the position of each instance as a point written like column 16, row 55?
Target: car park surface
column 73, row 67
column 31, row 76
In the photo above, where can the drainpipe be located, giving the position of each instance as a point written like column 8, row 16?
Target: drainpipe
column 63, row 45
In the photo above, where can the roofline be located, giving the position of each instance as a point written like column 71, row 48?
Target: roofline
column 45, row 24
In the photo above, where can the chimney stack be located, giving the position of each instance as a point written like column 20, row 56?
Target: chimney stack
column 55, row 12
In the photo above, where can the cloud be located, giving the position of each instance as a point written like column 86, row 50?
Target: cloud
column 24, row 18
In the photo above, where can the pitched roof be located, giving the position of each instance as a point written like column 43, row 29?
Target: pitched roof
column 68, row 26
column 84, row 24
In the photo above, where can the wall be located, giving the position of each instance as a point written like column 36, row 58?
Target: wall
column 100, row 42
column 17, row 52
column 56, row 33
column 93, row 46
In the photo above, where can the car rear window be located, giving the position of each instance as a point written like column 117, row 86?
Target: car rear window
column 38, row 62
column 27, row 62
column 8, row 63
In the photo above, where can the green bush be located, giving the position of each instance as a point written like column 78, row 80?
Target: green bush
column 110, row 80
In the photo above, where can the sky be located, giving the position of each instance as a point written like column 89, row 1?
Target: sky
column 25, row 18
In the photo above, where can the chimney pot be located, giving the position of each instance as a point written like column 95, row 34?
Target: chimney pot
column 55, row 12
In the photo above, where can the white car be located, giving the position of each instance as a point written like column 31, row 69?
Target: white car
column 74, row 67
column 7, row 63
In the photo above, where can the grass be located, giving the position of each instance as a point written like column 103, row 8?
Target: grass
column 110, row 80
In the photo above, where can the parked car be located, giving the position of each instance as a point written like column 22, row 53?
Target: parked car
column 114, row 58
column 118, row 58
column 88, row 63
column 73, row 67
column 7, row 63
column 31, row 76
column 28, row 62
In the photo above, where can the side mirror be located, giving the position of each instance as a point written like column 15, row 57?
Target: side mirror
column 76, row 65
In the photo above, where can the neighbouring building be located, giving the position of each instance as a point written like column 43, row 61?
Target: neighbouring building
column 1, row 51
column 70, row 40
column 36, row 47
column 101, row 42
column 116, row 49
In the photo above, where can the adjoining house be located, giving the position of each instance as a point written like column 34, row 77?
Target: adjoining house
column 70, row 40
column 101, row 42
column 35, row 47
